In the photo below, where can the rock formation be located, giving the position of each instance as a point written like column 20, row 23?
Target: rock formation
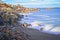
column 10, row 29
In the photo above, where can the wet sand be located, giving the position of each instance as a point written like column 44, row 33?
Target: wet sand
column 37, row 35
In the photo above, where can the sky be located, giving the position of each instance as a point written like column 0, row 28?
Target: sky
column 35, row 3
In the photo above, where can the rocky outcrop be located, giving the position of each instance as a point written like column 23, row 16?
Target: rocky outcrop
column 10, row 29
column 17, row 32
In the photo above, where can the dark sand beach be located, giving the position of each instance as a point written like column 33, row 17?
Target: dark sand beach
column 37, row 35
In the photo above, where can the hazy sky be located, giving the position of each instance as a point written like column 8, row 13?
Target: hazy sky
column 35, row 3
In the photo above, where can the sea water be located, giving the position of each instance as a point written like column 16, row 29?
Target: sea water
column 48, row 19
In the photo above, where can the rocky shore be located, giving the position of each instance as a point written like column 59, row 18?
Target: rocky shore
column 11, row 29
column 16, row 32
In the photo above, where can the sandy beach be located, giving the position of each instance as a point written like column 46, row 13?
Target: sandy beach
column 37, row 35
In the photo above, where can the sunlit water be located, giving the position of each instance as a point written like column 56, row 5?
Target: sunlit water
column 49, row 20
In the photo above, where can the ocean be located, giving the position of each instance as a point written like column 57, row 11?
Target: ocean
column 48, row 19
